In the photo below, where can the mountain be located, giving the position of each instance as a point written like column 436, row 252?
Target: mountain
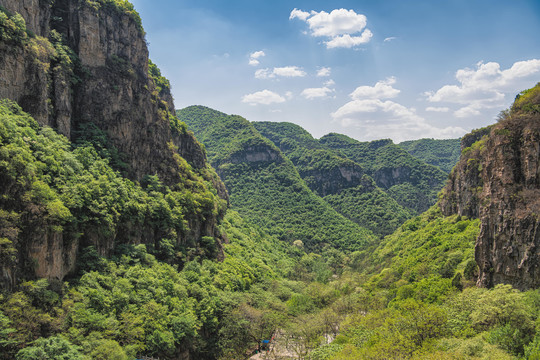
column 443, row 154
column 338, row 180
column 82, row 68
column 411, row 182
column 264, row 185
column 498, row 180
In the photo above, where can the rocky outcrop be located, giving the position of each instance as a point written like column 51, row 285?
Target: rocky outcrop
column 81, row 62
column 255, row 154
column 498, row 181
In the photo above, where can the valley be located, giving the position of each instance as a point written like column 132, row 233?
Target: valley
column 132, row 229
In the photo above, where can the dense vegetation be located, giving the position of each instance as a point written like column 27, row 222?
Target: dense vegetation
column 135, row 301
column 411, row 182
column 265, row 187
column 357, row 198
column 140, row 287
column 443, row 154
column 51, row 188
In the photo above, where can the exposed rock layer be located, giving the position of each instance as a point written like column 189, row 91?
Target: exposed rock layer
column 498, row 180
column 106, row 82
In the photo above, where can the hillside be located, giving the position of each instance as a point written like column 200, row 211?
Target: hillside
column 411, row 182
column 64, row 66
column 264, row 185
column 498, row 180
column 443, row 154
column 122, row 236
column 339, row 181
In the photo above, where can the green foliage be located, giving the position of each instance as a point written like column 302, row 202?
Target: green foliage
column 443, row 154
column 163, row 86
column 7, row 343
column 119, row 6
column 528, row 101
column 265, row 187
column 56, row 348
column 426, row 246
column 393, row 169
column 357, row 197
column 370, row 207
column 12, row 28
column 76, row 192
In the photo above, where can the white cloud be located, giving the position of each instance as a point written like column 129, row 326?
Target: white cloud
column 264, row 97
column 337, row 22
column 302, row 15
column 382, row 90
column 377, row 119
column 388, row 39
column 348, row 41
column 289, row 71
column 468, row 111
column 286, row 71
column 324, row 71
column 329, row 82
column 254, row 56
column 314, row 93
column 289, row 95
column 437, row 109
column 486, row 86
column 344, row 28
column 374, row 118
column 264, row 74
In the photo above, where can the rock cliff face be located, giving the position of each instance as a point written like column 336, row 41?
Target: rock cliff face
column 498, row 180
column 79, row 62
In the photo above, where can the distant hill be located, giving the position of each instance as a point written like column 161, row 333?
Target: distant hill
column 340, row 181
column 410, row 181
column 443, row 154
column 265, row 187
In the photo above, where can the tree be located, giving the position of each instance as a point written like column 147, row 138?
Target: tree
column 53, row 348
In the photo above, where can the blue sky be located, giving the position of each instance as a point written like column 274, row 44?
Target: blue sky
column 368, row 69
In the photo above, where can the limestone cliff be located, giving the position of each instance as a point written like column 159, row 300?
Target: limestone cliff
column 498, row 181
column 70, row 63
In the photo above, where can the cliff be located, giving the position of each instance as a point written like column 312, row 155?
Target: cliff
column 72, row 64
column 498, row 180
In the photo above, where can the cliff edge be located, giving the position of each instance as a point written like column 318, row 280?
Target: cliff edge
column 498, row 180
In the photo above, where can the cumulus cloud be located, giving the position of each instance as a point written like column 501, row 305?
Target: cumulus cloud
column 374, row 117
column 329, row 82
column 302, row 15
column 486, row 86
column 254, row 57
column 286, row 71
column 289, row 71
column 264, row 97
column 343, row 28
column 314, row 93
column 382, row 90
column 348, row 41
column 324, row 71
column 437, row 109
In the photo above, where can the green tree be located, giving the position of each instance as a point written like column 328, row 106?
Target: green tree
column 53, row 348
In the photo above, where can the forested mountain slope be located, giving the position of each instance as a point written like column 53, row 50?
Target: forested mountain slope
column 338, row 180
column 411, row 182
column 443, row 154
column 63, row 63
column 264, row 185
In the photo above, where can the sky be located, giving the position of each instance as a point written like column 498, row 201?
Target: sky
column 367, row 69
